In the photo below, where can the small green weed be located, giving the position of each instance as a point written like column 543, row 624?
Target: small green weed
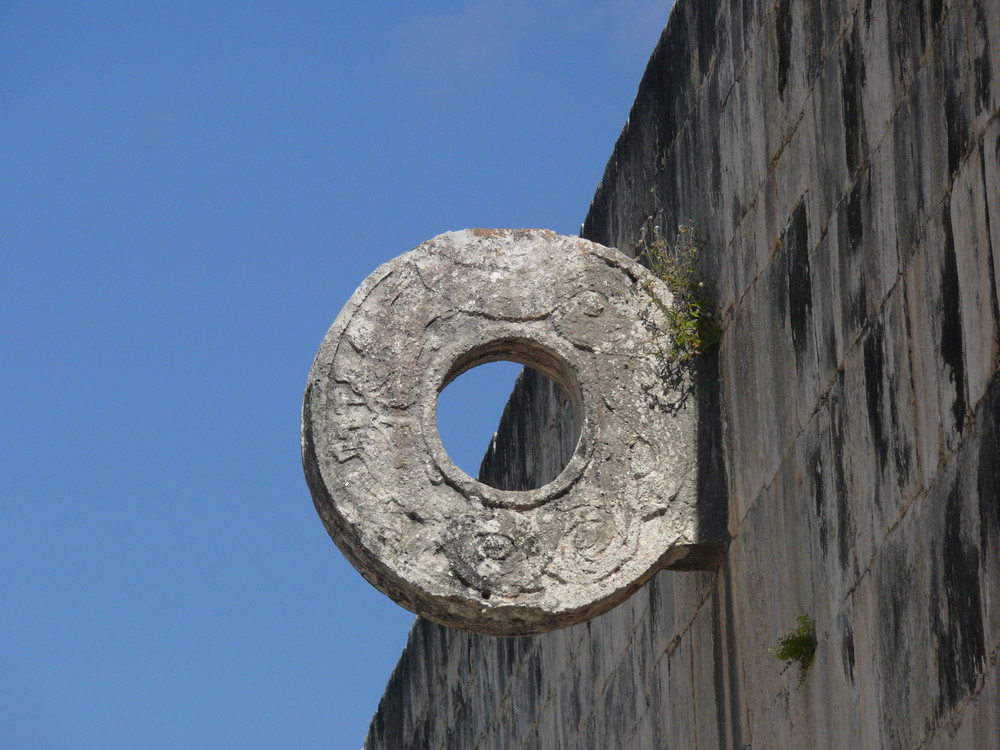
column 799, row 646
column 694, row 326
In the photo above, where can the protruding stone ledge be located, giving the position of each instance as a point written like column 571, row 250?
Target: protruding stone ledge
column 458, row 551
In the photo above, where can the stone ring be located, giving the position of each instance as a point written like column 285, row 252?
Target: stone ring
column 454, row 549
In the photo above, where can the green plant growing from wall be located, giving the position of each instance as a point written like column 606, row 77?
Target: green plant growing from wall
column 799, row 646
column 693, row 325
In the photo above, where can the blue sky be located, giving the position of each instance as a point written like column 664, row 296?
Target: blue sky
column 189, row 192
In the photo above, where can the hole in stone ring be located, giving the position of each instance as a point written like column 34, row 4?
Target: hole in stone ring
column 538, row 437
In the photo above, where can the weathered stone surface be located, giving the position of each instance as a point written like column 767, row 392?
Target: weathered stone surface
column 454, row 549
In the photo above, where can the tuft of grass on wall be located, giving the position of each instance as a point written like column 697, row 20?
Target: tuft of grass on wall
column 693, row 325
column 799, row 646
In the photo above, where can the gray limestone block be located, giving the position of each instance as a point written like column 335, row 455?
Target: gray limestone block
column 970, row 228
column 454, row 549
column 932, row 289
column 984, row 57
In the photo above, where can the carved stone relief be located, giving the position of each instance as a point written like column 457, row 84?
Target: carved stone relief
column 433, row 538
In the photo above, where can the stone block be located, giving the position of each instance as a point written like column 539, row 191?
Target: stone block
column 832, row 698
column 675, row 715
column 871, row 32
column 891, row 413
column 928, row 144
column 991, row 181
column 902, row 601
column 936, row 345
column 970, row 240
column 982, row 19
column 833, row 175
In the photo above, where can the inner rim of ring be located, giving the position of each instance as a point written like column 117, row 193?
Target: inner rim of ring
column 538, row 357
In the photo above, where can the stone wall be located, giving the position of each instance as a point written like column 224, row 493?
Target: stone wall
column 842, row 158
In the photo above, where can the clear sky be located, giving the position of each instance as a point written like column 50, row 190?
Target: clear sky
column 189, row 192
